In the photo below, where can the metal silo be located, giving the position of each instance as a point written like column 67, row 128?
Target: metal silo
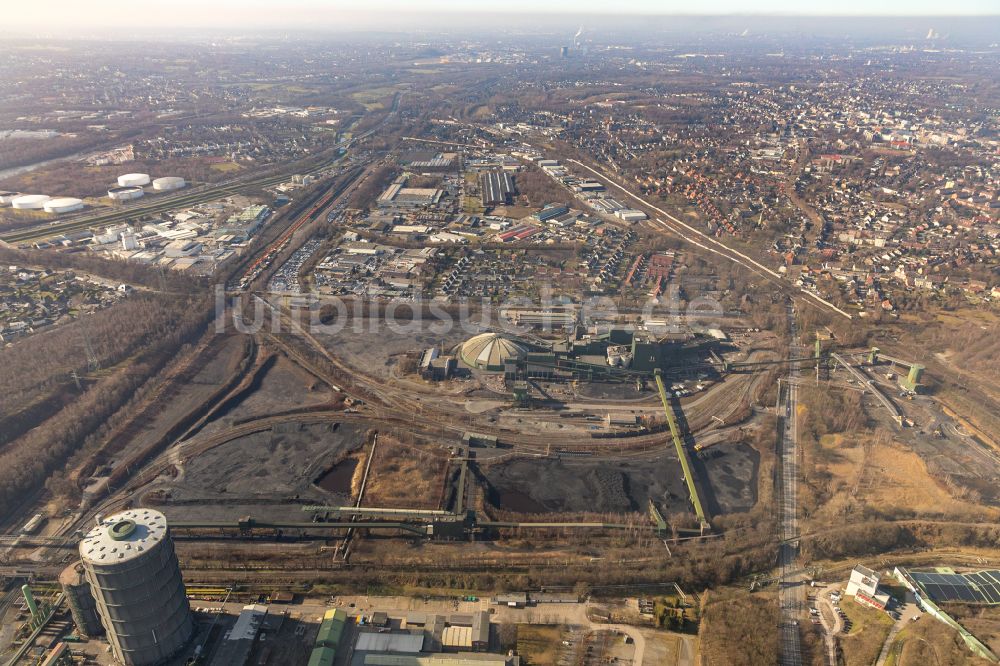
column 80, row 600
column 134, row 576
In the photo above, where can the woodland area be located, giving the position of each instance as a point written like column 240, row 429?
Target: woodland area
column 539, row 189
column 22, row 152
column 46, row 415
column 132, row 273
column 366, row 193
column 147, row 330
column 739, row 632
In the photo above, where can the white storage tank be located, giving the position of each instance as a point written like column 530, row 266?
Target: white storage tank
column 125, row 193
column 133, row 179
column 133, row 573
column 7, row 197
column 63, row 205
column 168, row 183
column 29, row 201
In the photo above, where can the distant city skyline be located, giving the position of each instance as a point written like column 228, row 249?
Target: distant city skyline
column 340, row 14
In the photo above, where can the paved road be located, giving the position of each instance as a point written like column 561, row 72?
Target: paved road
column 830, row 627
column 907, row 613
column 869, row 385
column 790, row 590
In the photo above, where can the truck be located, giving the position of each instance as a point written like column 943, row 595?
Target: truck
column 33, row 525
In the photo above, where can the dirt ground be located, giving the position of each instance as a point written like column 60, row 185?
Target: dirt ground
column 607, row 485
column 279, row 387
column 587, row 485
column 376, row 360
column 264, row 474
column 730, row 474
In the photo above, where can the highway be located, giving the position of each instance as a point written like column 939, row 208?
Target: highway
column 156, row 204
column 706, row 242
column 790, row 592
column 188, row 197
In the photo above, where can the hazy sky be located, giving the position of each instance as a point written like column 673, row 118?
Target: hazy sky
column 41, row 15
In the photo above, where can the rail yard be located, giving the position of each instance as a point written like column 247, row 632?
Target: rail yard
column 455, row 352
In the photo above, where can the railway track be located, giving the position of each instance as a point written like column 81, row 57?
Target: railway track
column 869, row 385
column 708, row 243
column 161, row 205
column 190, row 197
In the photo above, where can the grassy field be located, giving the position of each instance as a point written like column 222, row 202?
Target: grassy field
column 983, row 622
column 869, row 629
column 226, row 167
column 372, row 98
column 472, row 206
column 738, row 631
column 516, row 212
column 893, row 478
column 928, row 641
column 403, row 477
column 538, row 644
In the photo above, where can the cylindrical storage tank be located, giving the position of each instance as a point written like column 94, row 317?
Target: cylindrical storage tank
column 125, row 193
column 7, row 197
column 135, row 579
column 168, row 183
column 29, row 201
column 80, row 600
column 133, row 179
column 63, row 205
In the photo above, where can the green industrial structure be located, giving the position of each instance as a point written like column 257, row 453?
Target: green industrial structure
column 331, row 632
column 682, row 454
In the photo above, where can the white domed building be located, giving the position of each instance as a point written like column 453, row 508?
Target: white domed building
column 489, row 351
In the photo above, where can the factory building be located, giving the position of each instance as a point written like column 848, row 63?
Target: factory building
column 551, row 211
column 80, row 600
column 328, row 641
column 630, row 215
column 398, row 195
column 863, row 586
column 235, row 649
column 467, row 632
column 130, row 564
column 496, row 188
column 490, row 351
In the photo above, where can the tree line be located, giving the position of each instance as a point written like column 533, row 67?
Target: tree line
column 146, row 331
